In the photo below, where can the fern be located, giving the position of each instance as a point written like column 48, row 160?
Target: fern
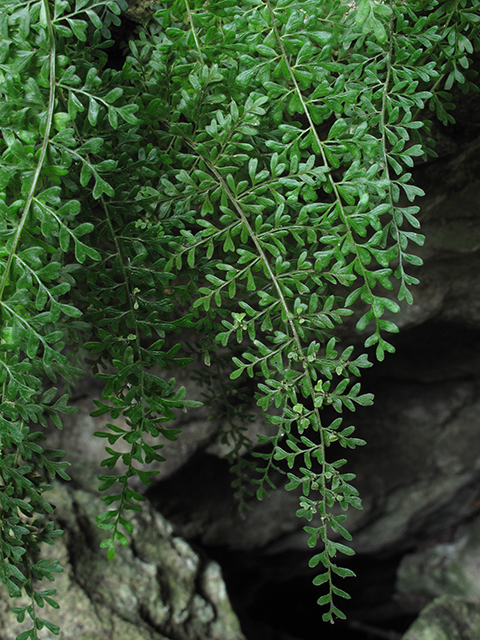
column 244, row 176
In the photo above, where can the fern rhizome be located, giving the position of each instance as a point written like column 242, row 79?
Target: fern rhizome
column 238, row 172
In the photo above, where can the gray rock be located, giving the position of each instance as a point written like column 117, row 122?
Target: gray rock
column 446, row 618
column 199, row 431
column 447, row 568
column 158, row 588
column 139, row 10
column 423, row 449
column 419, row 472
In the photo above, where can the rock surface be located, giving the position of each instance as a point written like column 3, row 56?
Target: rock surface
column 450, row 568
column 446, row 618
column 158, row 588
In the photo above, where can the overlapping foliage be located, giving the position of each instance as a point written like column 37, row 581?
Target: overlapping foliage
column 238, row 169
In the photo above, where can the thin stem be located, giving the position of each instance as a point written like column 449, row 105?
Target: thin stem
column 344, row 217
column 320, row 145
column 194, row 33
column 383, row 116
column 43, row 150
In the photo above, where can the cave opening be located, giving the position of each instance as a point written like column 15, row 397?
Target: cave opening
column 275, row 602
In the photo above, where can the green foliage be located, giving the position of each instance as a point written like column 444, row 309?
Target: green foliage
column 242, row 180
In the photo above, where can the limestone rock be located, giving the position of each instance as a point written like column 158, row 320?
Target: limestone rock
column 446, row 618
column 139, row 10
column 447, row 568
column 434, row 432
column 418, row 474
column 158, row 588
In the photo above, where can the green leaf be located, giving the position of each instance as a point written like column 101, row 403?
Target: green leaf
column 379, row 30
column 61, row 120
column 93, row 111
column 343, row 572
column 78, row 27
column 101, row 187
column 321, row 579
column 363, row 11
column 53, row 628
column 121, row 538
column 85, row 174
column 340, row 592
column 325, row 599
column 114, row 95
column 94, row 18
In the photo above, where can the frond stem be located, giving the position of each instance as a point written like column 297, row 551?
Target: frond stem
column 320, row 145
column 194, row 33
column 43, row 149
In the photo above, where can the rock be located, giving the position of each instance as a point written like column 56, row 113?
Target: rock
column 451, row 568
column 434, row 432
column 199, row 432
column 140, row 10
column 446, row 618
column 158, row 588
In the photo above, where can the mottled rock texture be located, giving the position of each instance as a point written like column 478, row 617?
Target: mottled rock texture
column 446, row 618
column 158, row 588
column 445, row 568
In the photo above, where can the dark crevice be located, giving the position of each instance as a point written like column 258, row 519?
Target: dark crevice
column 120, row 35
column 432, row 352
column 275, row 599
